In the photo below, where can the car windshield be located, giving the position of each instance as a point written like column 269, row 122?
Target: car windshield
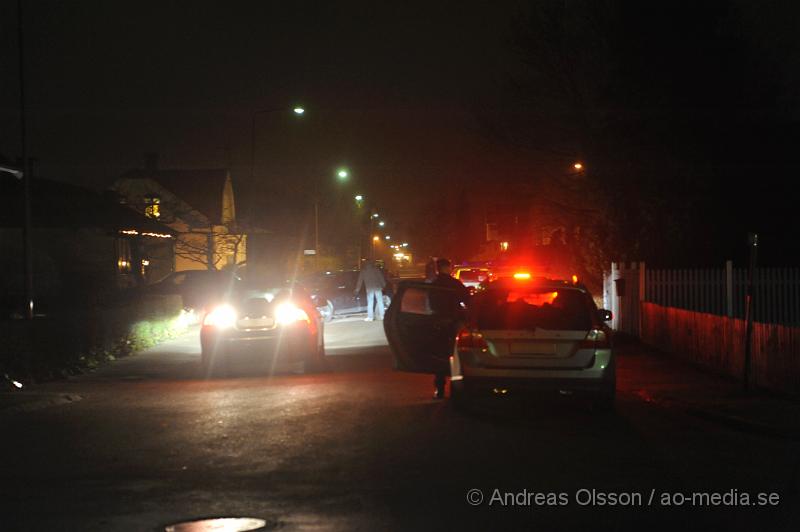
column 531, row 308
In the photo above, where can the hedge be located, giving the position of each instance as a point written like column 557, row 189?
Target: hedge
column 62, row 343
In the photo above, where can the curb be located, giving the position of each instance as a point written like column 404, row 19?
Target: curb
column 40, row 402
column 731, row 421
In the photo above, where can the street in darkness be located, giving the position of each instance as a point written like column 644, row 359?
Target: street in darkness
column 145, row 442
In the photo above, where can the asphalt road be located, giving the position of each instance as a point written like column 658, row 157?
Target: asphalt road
column 146, row 442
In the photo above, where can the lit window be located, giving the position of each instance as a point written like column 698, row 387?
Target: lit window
column 152, row 206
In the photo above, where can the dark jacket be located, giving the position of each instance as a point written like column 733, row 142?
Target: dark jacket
column 371, row 277
column 460, row 292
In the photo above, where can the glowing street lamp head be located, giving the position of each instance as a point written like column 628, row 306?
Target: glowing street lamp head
column 375, row 215
column 388, row 237
column 343, row 173
column 298, row 110
column 376, row 238
column 578, row 166
column 359, row 197
column 381, row 223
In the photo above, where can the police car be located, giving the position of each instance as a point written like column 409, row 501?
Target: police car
column 519, row 333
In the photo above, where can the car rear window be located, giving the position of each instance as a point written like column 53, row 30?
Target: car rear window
column 473, row 276
column 532, row 307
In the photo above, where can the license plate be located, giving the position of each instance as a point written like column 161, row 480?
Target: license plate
column 256, row 323
column 532, row 348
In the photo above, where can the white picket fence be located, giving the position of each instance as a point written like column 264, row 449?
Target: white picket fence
column 719, row 291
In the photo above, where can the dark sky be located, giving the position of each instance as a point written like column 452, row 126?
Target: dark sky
column 394, row 91
column 107, row 81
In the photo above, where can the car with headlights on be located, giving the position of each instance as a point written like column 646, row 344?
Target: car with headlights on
column 471, row 276
column 520, row 333
column 263, row 327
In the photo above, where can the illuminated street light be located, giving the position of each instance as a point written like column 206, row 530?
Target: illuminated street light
column 578, row 166
column 298, row 110
column 376, row 238
column 375, row 215
column 387, row 237
column 359, row 197
column 343, row 174
column 381, row 223
column 405, row 244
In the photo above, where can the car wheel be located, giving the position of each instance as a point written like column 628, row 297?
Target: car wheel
column 315, row 362
column 213, row 365
column 460, row 398
column 606, row 403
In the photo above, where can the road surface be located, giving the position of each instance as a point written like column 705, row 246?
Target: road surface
column 146, row 442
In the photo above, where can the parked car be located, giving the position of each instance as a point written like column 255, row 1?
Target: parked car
column 333, row 293
column 262, row 325
column 519, row 333
column 197, row 288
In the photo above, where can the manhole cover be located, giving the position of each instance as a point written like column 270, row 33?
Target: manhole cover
column 219, row 524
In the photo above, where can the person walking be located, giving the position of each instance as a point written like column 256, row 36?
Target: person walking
column 374, row 281
column 461, row 295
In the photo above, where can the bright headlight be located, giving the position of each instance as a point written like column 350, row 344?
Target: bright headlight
column 288, row 313
column 222, row 317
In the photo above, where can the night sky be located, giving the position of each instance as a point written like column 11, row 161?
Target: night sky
column 419, row 98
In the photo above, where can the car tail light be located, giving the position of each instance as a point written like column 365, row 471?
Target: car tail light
column 522, row 276
column 467, row 339
column 595, row 339
column 221, row 317
column 289, row 313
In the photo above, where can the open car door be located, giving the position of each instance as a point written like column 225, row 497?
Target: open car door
column 421, row 325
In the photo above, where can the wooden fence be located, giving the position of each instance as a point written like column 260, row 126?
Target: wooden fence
column 718, row 342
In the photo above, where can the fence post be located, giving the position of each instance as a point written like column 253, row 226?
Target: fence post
column 642, row 294
column 729, row 287
column 748, row 311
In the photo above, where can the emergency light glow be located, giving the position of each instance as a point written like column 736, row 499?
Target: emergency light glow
column 522, row 275
column 574, row 279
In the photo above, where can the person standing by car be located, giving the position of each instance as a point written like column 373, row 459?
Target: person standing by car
column 374, row 281
column 459, row 299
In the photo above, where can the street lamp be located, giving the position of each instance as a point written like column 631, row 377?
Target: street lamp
column 298, row 110
column 381, row 223
column 343, row 174
column 578, row 166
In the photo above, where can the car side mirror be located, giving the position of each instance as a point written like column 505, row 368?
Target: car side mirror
column 605, row 315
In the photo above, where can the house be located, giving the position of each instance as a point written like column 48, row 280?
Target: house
column 197, row 204
column 85, row 244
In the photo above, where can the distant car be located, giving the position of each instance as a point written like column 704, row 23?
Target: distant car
column 197, row 288
column 472, row 277
column 261, row 326
column 519, row 333
column 333, row 293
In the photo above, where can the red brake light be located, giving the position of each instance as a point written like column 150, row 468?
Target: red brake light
column 595, row 339
column 522, row 276
column 467, row 339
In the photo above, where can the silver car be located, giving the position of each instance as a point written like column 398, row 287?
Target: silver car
column 518, row 333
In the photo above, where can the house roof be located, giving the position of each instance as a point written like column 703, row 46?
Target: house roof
column 60, row 204
column 200, row 189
